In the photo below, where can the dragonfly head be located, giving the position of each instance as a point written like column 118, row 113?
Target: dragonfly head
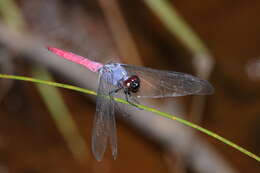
column 132, row 84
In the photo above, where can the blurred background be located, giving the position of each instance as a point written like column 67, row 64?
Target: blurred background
column 45, row 129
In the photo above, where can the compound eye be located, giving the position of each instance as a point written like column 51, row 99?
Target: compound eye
column 134, row 84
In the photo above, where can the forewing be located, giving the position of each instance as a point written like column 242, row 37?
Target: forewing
column 160, row 83
column 104, row 122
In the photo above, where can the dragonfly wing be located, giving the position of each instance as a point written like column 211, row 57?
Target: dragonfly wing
column 112, row 129
column 104, row 126
column 111, row 121
column 160, row 83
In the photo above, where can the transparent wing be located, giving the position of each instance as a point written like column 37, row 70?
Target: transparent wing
column 160, row 83
column 104, row 126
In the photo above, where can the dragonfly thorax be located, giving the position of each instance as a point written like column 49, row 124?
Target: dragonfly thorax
column 114, row 73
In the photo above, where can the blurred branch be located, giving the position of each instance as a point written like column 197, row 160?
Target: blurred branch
column 177, row 26
column 11, row 14
column 51, row 96
column 120, row 31
column 60, row 114
column 174, row 134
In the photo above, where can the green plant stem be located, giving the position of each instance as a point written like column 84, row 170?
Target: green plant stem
column 166, row 115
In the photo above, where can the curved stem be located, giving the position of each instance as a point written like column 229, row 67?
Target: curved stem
column 166, row 115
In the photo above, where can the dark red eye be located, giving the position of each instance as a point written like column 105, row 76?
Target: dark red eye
column 132, row 83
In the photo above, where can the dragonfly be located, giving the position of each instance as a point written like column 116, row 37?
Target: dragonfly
column 132, row 82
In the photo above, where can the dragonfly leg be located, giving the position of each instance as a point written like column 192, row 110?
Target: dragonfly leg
column 111, row 93
column 120, row 86
column 127, row 95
